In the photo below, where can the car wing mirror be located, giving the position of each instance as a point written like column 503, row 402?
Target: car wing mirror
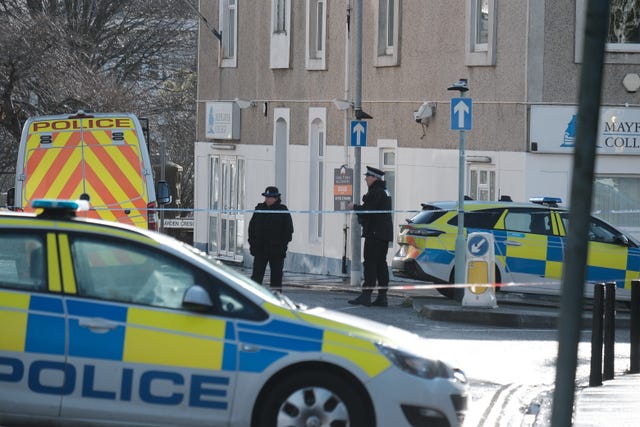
column 197, row 298
column 621, row 239
column 162, row 193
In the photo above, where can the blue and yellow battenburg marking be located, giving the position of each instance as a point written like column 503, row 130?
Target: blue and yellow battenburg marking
column 164, row 345
column 541, row 256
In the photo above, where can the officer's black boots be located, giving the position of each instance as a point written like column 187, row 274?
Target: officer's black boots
column 381, row 300
column 363, row 299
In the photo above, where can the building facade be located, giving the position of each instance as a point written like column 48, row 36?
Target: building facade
column 269, row 112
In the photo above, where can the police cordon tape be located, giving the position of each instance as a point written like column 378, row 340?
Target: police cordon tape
column 315, row 212
column 433, row 286
column 240, row 211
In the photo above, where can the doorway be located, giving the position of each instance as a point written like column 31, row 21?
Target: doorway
column 226, row 206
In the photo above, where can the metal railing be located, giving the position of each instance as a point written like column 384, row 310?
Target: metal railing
column 603, row 332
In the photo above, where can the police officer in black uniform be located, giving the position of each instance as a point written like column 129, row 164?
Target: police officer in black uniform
column 269, row 236
column 377, row 230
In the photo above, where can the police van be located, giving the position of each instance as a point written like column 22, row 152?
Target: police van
column 102, row 157
column 105, row 324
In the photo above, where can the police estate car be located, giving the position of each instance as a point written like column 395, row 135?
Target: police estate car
column 107, row 324
column 529, row 245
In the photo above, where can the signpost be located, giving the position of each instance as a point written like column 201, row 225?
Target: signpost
column 461, row 112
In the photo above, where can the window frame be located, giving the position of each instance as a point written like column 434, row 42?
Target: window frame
column 280, row 39
column 480, row 54
column 316, row 33
column 228, row 17
column 279, row 24
column 317, row 160
column 489, row 187
column 615, row 53
column 385, row 54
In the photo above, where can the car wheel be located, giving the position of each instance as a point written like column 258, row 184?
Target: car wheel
column 321, row 399
column 452, row 293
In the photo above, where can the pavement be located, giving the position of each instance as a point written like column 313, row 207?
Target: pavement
column 615, row 403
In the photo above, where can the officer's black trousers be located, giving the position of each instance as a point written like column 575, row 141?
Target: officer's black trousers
column 276, row 264
column 375, row 264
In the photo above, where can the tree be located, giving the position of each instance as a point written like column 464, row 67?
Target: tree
column 59, row 56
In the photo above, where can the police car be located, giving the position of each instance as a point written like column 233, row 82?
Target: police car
column 529, row 244
column 106, row 324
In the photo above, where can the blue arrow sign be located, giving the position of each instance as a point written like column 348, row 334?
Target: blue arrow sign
column 461, row 113
column 478, row 245
column 358, row 133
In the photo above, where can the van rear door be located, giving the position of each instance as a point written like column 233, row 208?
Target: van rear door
column 103, row 156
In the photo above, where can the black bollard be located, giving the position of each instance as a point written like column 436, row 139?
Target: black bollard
column 595, row 375
column 609, row 329
column 634, row 339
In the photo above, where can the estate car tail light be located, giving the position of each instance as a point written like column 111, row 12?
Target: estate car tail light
column 423, row 232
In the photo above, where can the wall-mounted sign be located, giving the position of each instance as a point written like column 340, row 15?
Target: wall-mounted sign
column 553, row 130
column 342, row 188
column 223, row 120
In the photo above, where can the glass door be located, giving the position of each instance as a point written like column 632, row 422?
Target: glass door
column 226, row 207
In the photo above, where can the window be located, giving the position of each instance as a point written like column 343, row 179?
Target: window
column 229, row 28
column 623, row 35
column 483, row 219
column 123, row 272
column 624, row 26
column 388, row 157
column 316, row 34
column 427, row 217
column 480, row 32
column 280, row 16
column 537, row 221
column 616, row 200
column 517, row 220
column 481, row 26
column 281, row 145
column 598, row 230
column 482, row 183
column 388, row 33
column 316, row 170
column 22, row 261
column 280, row 34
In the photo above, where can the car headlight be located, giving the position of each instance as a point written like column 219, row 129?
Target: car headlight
column 420, row 366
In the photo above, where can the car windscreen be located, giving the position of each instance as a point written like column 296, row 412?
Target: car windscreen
column 484, row 219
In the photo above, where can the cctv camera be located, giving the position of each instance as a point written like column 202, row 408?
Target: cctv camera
column 426, row 110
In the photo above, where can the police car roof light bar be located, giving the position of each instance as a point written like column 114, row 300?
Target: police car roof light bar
column 60, row 208
column 547, row 201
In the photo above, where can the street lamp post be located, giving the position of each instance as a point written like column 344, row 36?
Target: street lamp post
column 460, row 260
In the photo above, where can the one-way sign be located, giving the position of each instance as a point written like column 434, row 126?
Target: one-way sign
column 461, row 113
column 358, row 133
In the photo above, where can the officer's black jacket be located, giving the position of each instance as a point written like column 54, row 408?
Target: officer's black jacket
column 376, row 225
column 270, row 233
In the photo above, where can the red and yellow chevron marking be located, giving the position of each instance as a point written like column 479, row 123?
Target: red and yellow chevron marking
column 88, row 161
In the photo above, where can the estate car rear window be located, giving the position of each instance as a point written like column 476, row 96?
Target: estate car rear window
column 426, row 217
column 485, row 219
